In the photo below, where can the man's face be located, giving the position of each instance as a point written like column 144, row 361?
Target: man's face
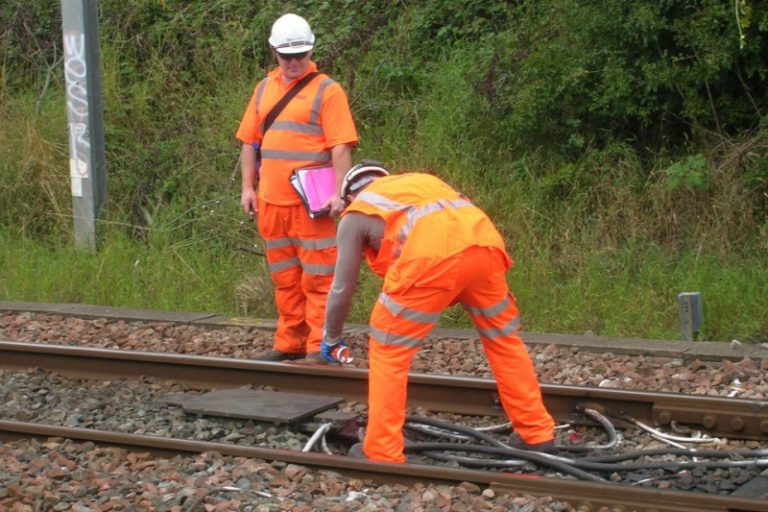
column 293, row 65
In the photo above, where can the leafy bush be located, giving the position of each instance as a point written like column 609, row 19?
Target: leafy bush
column 582, row 127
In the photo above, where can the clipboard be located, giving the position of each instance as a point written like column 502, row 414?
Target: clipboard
column 315, row 185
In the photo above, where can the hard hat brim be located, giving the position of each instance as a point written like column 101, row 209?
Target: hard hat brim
column 359, row 171
column 289, row 50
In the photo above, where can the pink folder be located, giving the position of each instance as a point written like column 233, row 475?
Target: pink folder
column 318, row 184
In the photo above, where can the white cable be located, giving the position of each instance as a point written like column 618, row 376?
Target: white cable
column 668, row 437
column 671, row 443
column 324, row 445
column 319, row 433
column 496, row 428
column 679, row 474
column 436, row 431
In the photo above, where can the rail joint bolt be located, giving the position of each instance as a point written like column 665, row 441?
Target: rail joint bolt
column 664, row 418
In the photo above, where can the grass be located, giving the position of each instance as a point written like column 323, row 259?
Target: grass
column 123, row 272
column 633, row 293
column 628, row 292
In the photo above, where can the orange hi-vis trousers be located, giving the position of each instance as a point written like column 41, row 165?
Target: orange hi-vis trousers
column 301, row 255
column 399, row 322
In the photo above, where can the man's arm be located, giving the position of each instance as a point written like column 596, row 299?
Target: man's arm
column 350, row 240
column 249, row 133
column 248, row 173
column 341, row 156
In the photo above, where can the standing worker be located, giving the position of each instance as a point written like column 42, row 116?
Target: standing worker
column 433, row 248
column 314, row 127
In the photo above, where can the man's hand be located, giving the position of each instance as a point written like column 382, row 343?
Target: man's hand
column 327, row 346
column 248, row 202
column 336, row 204
column 249, row 169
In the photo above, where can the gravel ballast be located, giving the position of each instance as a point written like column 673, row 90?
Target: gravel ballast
column 65, row 475
column 556, row 364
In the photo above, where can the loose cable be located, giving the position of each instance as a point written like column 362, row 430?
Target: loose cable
column 541, row 459
column 668, row 437
column 614, row 438
column 319, row 433
column 471, row 432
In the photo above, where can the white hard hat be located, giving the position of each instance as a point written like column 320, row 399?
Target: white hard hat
column 291, row 34
column 360, row 175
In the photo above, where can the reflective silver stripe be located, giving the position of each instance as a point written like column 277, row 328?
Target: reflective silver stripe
column 318, row 270
column 394, row 339
column 314, row 115
column 310, row 268
column 311, row 128
column 279, row 266
column 310, row 245
column 508, row 329
column 278, row 243
column 413, row 214
column 417, row 213
column 292, row 44
column 259, row 92
column 316, row 244
column 489, row 312
column 292, row 126
column 380, row 201
column 413, row 315
column 306, row 156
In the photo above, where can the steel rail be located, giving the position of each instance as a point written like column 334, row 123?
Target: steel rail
column 722, row 417
column 586, row 496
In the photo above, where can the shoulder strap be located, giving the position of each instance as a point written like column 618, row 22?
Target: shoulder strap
column 280, row 105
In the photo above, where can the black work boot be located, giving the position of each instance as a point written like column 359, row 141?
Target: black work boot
column 272, row 354
column 544, row 447
column 313, row 358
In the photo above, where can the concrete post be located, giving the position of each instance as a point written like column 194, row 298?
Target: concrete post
column 85, row 116
column 691, row 316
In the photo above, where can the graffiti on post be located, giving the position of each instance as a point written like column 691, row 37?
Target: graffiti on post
column 75, row 73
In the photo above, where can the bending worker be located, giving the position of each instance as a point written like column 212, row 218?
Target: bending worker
column 314, row 127
column 433, row 248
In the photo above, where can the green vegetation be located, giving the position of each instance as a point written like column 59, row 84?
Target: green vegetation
column 622, row 148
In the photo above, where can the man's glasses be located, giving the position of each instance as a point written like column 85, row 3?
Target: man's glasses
column 290, row 56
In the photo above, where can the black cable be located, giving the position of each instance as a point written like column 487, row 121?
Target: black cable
column 746, row 454
column 456, row 428
column 540, row 459
column 531, row 456
column 577, row 467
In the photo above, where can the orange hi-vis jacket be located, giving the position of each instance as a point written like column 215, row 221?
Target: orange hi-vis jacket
column 438, row 249
column 313, row 122
column 426, row 222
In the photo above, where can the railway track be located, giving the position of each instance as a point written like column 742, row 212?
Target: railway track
column 725, row 417
column 720, row 417
column 731, row 418
column 586, row 496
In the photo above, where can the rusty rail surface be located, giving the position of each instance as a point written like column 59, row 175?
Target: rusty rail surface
column 585, row 496
column 722, row 417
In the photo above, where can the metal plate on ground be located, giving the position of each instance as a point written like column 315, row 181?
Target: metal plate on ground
column 757, row 489
column 274, row 406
